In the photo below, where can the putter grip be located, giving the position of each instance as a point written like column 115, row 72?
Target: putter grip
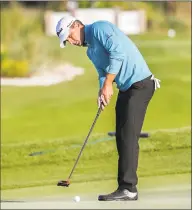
column 99, row 111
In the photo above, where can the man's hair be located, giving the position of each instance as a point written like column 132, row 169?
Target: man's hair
column 78, row 21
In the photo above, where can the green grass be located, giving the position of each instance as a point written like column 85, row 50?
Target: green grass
column 161, row 154
column 42, row 118
column 93, row 188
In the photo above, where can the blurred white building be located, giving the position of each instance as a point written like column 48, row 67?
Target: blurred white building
column 130, row 22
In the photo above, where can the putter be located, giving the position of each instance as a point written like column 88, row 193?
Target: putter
column 66, row 183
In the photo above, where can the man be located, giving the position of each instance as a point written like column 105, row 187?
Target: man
column 116, row 59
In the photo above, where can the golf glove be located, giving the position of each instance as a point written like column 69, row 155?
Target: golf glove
column 156, row 82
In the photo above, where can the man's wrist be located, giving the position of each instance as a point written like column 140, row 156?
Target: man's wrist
column 110, row 78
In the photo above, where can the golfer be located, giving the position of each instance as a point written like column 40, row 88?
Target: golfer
column 116, row 59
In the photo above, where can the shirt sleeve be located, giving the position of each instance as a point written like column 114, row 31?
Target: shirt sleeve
column 110, row 41
column 101, row 73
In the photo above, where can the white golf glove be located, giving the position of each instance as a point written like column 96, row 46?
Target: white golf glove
column 156, row 82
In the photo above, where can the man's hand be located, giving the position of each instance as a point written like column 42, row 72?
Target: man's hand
column 106, row 91
column 100, row 103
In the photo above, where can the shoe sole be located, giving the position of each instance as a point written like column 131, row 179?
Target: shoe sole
column 120, row 199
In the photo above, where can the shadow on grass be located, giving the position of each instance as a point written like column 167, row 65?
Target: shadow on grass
column 11, row 201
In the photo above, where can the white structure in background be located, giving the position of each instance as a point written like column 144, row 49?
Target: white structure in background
column 88, row 16
column 130, row 22
column 72, row 6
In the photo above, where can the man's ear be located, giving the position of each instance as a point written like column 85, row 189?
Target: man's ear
column 75, row 25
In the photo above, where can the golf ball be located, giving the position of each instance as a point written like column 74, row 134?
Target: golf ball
column 76, row 198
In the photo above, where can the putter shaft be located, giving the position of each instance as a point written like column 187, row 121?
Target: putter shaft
column 97, row 115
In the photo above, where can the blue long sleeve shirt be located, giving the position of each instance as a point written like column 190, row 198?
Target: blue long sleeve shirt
column 111, row 51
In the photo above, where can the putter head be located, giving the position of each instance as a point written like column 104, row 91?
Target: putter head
column 63, row 183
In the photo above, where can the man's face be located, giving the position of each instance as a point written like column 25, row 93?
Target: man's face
column 76, row 36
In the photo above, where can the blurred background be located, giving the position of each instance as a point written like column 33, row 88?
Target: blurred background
column 48, row 94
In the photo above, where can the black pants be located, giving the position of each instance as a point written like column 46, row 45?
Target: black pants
column 131, row 107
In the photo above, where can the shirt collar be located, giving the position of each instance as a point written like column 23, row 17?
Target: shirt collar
column 87, row 34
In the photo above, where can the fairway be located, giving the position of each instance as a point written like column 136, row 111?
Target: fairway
column 56, row 119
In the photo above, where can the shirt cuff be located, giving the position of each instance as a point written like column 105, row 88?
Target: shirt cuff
column 101, row 81
column 115, row 66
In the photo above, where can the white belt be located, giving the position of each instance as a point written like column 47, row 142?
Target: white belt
column 156, row 81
